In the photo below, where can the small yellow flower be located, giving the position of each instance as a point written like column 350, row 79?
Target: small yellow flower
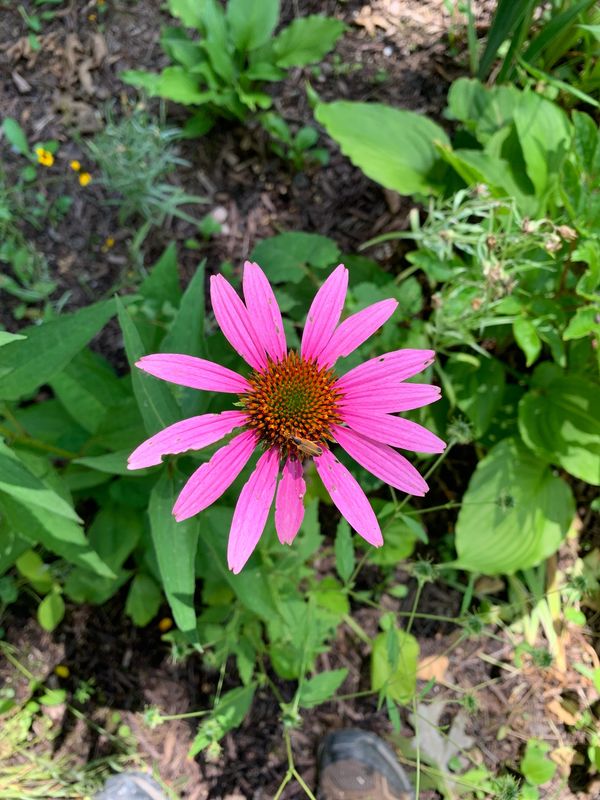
column 165, row 624
column 44, row 157
column 62, row 671
column 85, row 178
column 108, row 243
column 92, row 17
column 75, row 166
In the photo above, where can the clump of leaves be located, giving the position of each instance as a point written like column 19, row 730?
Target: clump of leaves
column 220, row 69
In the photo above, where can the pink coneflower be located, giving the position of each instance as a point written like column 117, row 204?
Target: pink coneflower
column 293, row 406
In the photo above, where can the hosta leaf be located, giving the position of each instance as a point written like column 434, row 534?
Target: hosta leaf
column 561, row 422
column 514, row 514
column 393, row 147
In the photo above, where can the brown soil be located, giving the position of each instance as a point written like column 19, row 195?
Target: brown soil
column 58, row 92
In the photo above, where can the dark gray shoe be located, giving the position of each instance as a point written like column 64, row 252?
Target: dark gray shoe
column 358, row 765
column 131, row 786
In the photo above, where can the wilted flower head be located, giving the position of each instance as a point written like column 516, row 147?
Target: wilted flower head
column 294, row 407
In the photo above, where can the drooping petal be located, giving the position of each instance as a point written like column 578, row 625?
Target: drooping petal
column 355, row 330
column 349, row 498
column 264, row 311
column 234, row 320
column 396, row 366
column 289, row 503
column 252, row 510
column 210, row 480
column 324, row 313
column 189, row 434
column 395, row 431
column 386, row 398
column 381, row 460
column 197, row 373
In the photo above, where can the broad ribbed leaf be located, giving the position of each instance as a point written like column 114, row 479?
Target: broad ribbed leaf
column 514, row 514
column 393, row 147
column 561, row 423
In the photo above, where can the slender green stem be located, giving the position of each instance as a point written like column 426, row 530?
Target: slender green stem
column 413, row 610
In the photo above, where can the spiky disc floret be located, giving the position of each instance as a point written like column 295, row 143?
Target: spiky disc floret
column 292, row 399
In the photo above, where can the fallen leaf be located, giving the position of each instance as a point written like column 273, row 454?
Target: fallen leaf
column 22, row 85
column 563, row 714
column 433, row 666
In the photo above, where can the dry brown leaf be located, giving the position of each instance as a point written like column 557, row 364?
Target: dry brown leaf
column 370, row 21
column 563, row 714
column 85, row 77
column 433, row 667
column 22, row 85
column 99, row 49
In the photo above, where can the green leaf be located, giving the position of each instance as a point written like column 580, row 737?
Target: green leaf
column 526, row 336
column 143, row 600
column 55, row 533
column 515, row 512
column 162, row 282
column 482, row 109
column 507, row 17
column 15, row 135
column 115, row 532
column 536, row 767
column 344, row 551
column 251, row 22
column 393, row 147
column 155, row 401
column 478, row 383
column 544, row 134
column 228, row 713
column 285, row 258
column 19, row 482
column 175, row 544
column 560, row 422
column 51, row 611
column 49, row 348
column 394, row 668
column 33, row 569
column 187, row 329
column 585, row 321
column 148, row 81
column 321, row 688
column 7, row 338
column 86, row 388
column 306, row 40
column 177, row 84
column 111, row 463
column 190, row 12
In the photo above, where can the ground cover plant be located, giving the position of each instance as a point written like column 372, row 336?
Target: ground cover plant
column 423, row 420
